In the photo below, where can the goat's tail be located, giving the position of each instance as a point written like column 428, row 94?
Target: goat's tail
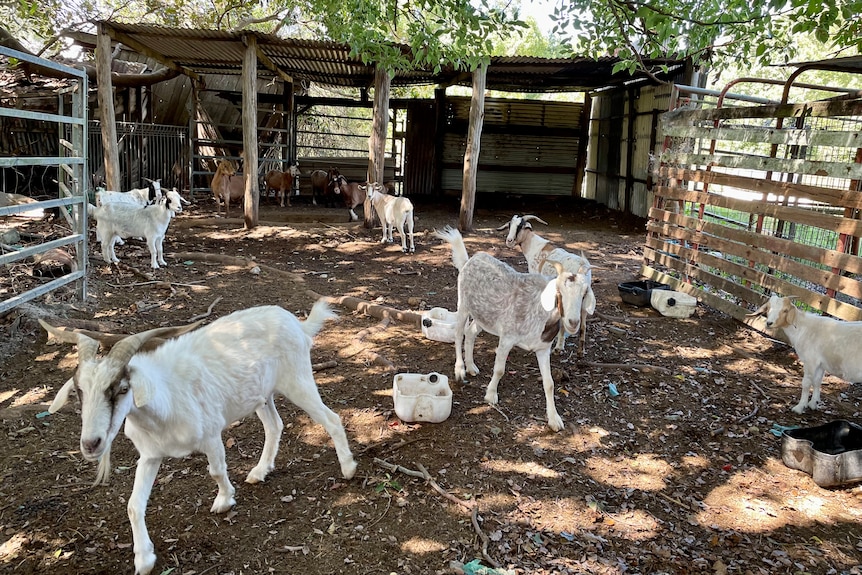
column 320, row 312
column 459, row 250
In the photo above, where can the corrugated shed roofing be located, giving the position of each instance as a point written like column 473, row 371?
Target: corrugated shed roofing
column 326, row 62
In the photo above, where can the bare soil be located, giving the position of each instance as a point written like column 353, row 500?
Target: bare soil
column 678, row 473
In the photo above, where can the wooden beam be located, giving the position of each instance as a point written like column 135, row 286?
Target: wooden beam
column 105, row 91
column 270, row 65
column 249, row 130
column 471, row 154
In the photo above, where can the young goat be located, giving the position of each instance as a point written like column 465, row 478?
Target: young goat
column 524, row 310
column 226, row 186
column 540, row 255
column 820, row 342
column 281, row 182
column 392, row 211
column 137, row 196
column 178, row 398
column 351, row 193
column 115, row 221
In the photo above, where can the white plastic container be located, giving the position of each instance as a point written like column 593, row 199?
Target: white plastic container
column 438, row 323
column 673, row 303
column 422, row 397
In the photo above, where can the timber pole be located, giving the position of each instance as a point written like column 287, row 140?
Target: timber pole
column 105, row 91
column 249, row 130
column 471, row 154
column 377, row 141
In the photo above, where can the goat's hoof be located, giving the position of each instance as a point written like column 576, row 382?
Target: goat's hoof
column 258, row 475
column 222, row 506
column 348, row 470
column 491, row 398
column 144, row 562
column 556, row 423
column 798, row 409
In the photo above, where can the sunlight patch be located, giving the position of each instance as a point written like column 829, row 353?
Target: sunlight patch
column 527, row 468
column 421, row 546
column 645, row 472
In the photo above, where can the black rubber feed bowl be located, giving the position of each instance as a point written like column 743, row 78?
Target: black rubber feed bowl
column 831, row 454
column 638, row 293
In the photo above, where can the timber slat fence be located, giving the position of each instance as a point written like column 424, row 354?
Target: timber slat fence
column 754, row 200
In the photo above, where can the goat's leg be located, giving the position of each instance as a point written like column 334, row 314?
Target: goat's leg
column 353, row 216
column 555, row 422
column 410, row 231
column 810, row 381
column 151, row 245
column 108, row 250
column 582, row 335
column 460, row 372
column 302, row 392
column 503, row 349
column 471, row 332
column 145, row 475
column 561, row 339
column 214, row 450
column 272, row 428
column 816, row 380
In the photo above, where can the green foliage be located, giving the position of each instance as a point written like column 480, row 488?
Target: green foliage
column 725, row 32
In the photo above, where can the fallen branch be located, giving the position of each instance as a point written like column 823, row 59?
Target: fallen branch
column 474, row 519
column 749, row 416
column 375, row 310
column 136, row 271
column 324, row 365
column 639, row 366
column 208, row 312
column 423, row 474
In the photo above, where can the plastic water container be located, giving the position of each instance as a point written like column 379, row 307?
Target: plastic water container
column 673, row 303
column 438, row 323
column 422, row 397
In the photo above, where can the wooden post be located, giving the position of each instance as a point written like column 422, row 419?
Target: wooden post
column 471, row 154
column 105, row 92
column 377, row 141
column 249, row 130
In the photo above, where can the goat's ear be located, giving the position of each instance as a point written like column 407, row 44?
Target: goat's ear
column 142, row 391
column 549, row 295
column 589, row 302
column 62, row 397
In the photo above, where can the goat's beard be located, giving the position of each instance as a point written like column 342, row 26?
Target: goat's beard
column 103, row 473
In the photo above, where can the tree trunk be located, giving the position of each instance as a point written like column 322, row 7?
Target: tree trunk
column 106, row 109
column 471, row 155
column 249, row 131
column 377, row 141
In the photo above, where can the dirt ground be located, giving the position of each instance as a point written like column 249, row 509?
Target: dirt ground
column 678, row 473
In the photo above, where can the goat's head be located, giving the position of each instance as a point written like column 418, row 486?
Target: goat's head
column 103, row 386
column 516, row 227
column 155, row 191
column 778, row 311
column 174, row 201
column 571, row 293
column 373, row 189
column 294, row 170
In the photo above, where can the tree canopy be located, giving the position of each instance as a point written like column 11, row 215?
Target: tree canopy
column 721, row 31
column 464, row 34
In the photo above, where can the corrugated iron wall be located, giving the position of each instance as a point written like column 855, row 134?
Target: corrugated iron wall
column 420, row 148
column 527, row 147
column 621, row 141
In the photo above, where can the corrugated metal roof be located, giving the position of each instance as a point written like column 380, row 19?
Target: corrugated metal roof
column 326, row 62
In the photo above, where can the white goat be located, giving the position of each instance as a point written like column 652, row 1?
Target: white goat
column 820, row 342
column 540, row 255
column 178, row 398
column 392, row 211
column 121, row 220
column 523, row 310
column 138, row 196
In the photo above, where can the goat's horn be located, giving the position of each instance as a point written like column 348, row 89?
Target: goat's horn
column 503, row 227
column 129, row 346
column 760, row 311
column 537, row 218
column 87, row 346
column 559, row 267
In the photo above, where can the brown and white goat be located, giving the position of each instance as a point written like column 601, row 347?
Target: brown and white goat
column 281, row 182
column 227, row 186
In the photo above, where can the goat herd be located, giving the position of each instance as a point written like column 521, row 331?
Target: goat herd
column 177, row 398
